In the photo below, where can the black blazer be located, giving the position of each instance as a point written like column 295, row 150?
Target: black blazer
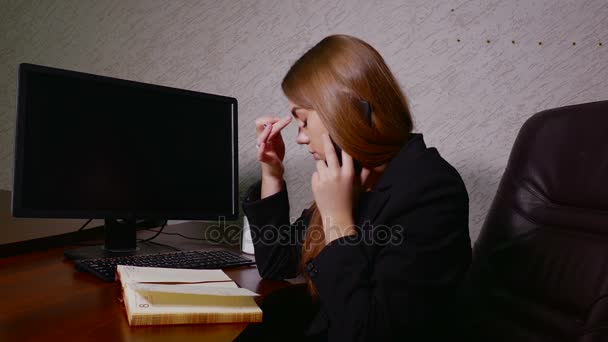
column 396, row 278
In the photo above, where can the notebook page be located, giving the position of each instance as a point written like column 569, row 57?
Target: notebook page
column 209, row 289
column 169, row 275
column 148, row 303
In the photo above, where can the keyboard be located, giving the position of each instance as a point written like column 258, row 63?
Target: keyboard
column 105, row 268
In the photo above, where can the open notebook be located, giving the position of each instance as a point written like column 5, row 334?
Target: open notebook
column 178, row 296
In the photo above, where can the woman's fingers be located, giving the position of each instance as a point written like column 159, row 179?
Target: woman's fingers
column 348, row 166
column 279, row 125
column 262, row 122
column 263, row 154
column 314, row 180
column 322, row 169
column 268, row 127
column 261, row 149
column 263, row 137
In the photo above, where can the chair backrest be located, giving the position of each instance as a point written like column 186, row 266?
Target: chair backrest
column 540, row 264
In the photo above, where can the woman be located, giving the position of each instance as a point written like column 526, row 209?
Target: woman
column 384, row 248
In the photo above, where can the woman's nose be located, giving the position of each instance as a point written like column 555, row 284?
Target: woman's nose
column 302, row 138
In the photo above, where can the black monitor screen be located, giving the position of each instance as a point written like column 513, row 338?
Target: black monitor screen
column 97, row 147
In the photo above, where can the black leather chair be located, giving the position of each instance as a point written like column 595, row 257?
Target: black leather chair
column 540, row 264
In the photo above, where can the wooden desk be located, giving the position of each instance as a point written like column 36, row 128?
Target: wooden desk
column 43, row 297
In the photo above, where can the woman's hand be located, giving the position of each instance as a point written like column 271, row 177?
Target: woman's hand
column 271, row 148
column 332, row 187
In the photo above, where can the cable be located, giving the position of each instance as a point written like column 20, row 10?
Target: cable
column 145, row 240
column 177, row 234
column 84, row 225
column 141, row 241
column 186, row 237
column 162, row 244
column 157, row 233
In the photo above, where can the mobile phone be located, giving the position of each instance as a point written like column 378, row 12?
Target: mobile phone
column 356, row 163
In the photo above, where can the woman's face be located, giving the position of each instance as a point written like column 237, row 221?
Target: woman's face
column 310, row 130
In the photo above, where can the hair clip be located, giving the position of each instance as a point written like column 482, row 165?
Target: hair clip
column 367, row 111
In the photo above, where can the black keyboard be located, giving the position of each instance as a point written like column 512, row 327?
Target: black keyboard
column 105, row 268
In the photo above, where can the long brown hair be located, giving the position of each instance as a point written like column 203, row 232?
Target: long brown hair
column 332, row 78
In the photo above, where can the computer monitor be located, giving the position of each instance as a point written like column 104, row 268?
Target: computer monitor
column 95, row 147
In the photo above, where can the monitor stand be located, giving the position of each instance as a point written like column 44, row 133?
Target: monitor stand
column 120, row 240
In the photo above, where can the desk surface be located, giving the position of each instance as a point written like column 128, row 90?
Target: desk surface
column 45, row 298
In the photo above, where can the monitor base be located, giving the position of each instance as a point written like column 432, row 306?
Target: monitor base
column 120, row 240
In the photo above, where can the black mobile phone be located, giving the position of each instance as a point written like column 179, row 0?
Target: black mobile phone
column 356, row 163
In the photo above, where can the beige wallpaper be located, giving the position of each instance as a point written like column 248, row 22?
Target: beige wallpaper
column 473, row 70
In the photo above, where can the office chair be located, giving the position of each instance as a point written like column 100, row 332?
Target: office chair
column 540, row 264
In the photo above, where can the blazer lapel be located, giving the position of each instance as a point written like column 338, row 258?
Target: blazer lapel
column 393, row 173
column 376, row 201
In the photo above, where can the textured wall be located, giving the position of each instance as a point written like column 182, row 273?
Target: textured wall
column 473, row 70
